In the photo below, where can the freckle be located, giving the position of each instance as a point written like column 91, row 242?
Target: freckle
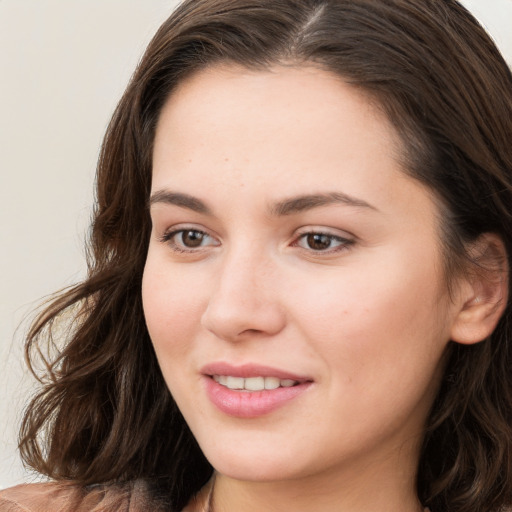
column 226, row 159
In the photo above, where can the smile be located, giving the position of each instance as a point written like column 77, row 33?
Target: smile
column 253, row 383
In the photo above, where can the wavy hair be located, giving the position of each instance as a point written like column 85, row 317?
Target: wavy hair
column 104, row 413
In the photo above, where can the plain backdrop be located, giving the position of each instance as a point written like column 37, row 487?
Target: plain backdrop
column 63, row 66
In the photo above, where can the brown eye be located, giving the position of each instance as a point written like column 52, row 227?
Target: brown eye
column 322, row 242
column 192, row 238
column 318, row 242
column 187, row 240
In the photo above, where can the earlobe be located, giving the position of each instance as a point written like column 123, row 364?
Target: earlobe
column 483, row 292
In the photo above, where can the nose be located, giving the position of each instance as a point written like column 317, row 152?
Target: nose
column 245, row 300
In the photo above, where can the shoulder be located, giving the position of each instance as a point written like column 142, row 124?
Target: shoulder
column 69, row 497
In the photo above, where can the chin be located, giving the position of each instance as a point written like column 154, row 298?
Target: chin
column 253, row 464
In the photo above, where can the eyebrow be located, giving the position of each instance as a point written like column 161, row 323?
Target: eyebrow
column 307, row 202
column 179, row 199
column 282, row 208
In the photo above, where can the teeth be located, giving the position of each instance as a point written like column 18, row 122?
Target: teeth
column 235, row 382
column 253, row 383
column 272, row 382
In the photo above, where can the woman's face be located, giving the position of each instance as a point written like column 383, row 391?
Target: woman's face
column 292, row 257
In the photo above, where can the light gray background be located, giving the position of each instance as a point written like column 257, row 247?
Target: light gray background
column 63, row 66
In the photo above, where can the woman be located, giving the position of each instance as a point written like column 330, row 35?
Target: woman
column 299, row 276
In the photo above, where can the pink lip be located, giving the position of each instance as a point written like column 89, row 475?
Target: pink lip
column 250, row 404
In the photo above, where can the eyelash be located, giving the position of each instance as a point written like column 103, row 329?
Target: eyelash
column 168, row 238
column 344, row 243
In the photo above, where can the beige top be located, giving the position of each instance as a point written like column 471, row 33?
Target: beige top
column 67, row 497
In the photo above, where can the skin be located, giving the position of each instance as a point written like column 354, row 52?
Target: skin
column 367, row 319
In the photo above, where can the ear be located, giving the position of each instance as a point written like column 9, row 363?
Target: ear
column 482, row 292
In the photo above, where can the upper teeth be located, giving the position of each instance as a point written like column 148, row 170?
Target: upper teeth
column 253, row 383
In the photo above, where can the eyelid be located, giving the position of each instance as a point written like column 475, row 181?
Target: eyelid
column 346, row 239
column 171, row 232
column 322, row 230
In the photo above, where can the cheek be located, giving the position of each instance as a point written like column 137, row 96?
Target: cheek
column 172, row 309
column 382, row 347
column 373, row 323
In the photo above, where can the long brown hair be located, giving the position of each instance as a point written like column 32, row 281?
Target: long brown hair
column 104, row 413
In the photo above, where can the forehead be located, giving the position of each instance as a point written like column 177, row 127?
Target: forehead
column 273, row 98
column 289, row 129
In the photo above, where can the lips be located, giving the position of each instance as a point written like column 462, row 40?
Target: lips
column 250, row 391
